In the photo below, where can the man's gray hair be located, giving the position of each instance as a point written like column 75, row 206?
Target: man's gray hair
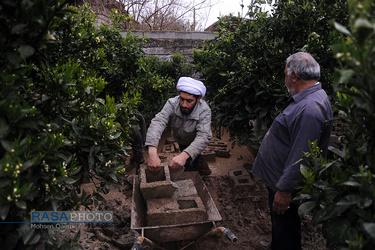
column 304, row 65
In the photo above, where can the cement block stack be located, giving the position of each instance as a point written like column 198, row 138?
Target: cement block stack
column 170, row 202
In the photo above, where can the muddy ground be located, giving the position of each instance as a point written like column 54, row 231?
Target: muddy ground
column 245, row 213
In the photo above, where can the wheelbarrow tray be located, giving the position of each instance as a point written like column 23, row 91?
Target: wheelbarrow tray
column 168, row 233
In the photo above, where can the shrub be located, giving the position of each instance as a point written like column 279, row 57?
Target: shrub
column 244, row 66
column 156, row 81
column 339, row 192
column 55, row 131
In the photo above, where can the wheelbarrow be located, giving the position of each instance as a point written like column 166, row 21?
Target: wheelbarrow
column 192, row 232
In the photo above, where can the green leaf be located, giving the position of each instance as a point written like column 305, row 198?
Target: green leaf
column 351, row 184
column 70, row 181
column 17, row 28
column 364, row 29
column 91, row 161
column 35, row 239
column 54, row 205
column 4, row 210
column 77, row 129
column 369, row 228
column 305, row 208
column 351, row 199
column 76, row 171
column 330, row 194
column 341, row 28
column 21, row 204
column 26, row 234
column 116, row 135
column 4, row 128
column 113, row 176
column 303, row 168
column 346, row 75
column 27, row 164
column 7, row 145
column 26, row 51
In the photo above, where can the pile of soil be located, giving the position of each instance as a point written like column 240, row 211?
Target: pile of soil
column 245, row 213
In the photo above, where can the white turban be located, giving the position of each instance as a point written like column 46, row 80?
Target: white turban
column 191, row 86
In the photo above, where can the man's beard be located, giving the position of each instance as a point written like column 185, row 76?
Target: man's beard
column 187, row 111
column 291, row 88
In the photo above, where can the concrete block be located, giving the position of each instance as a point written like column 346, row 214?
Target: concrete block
column 222, row 153
column 208, row 155
column 156, row 186
column 169, row 140
column 163, row 157
column 237, row 172
column 248, row 165
column 175, row 211
column 185, row 188
column 168, row 148
column 176, row 147
column 218, row 144
column 240, row 179
column 176, row 174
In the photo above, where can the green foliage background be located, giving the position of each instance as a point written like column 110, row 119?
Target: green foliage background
column 62, row 79
column 244, row 66
column 339, row 192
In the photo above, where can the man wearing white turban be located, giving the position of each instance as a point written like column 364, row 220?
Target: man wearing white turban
column 190, row 119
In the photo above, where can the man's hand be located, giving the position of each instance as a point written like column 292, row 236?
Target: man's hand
column 281, row 201
column 179, row 161
column 153, row 162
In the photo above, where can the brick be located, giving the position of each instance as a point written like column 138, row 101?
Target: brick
column 174, row 211
column 156, row 186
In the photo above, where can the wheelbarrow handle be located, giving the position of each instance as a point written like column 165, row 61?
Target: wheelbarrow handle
column 229, row 235
column 143, row 240
column 137, row 244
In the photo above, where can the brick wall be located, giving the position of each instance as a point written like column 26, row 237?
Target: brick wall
column 164, row 44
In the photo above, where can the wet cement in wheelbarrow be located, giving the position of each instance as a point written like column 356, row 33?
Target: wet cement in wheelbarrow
column 245, row 213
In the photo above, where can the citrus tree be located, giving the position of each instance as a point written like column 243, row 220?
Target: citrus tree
column 55, row 129
column 243, row 67
column 339, row 192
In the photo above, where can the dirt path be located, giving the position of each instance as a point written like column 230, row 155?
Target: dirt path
column 244, row 212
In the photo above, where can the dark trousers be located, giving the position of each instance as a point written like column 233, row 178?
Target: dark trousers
column 286, row 228
column 191, row 165
column 137, row 146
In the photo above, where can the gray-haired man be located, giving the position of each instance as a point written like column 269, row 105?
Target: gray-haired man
column 304, row 119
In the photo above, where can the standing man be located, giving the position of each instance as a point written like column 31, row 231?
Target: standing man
column 190, row 119
column 304, row 119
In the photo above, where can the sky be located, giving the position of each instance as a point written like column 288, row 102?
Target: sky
column 226, row 7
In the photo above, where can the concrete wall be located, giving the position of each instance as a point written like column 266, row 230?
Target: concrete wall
column 164, row 44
